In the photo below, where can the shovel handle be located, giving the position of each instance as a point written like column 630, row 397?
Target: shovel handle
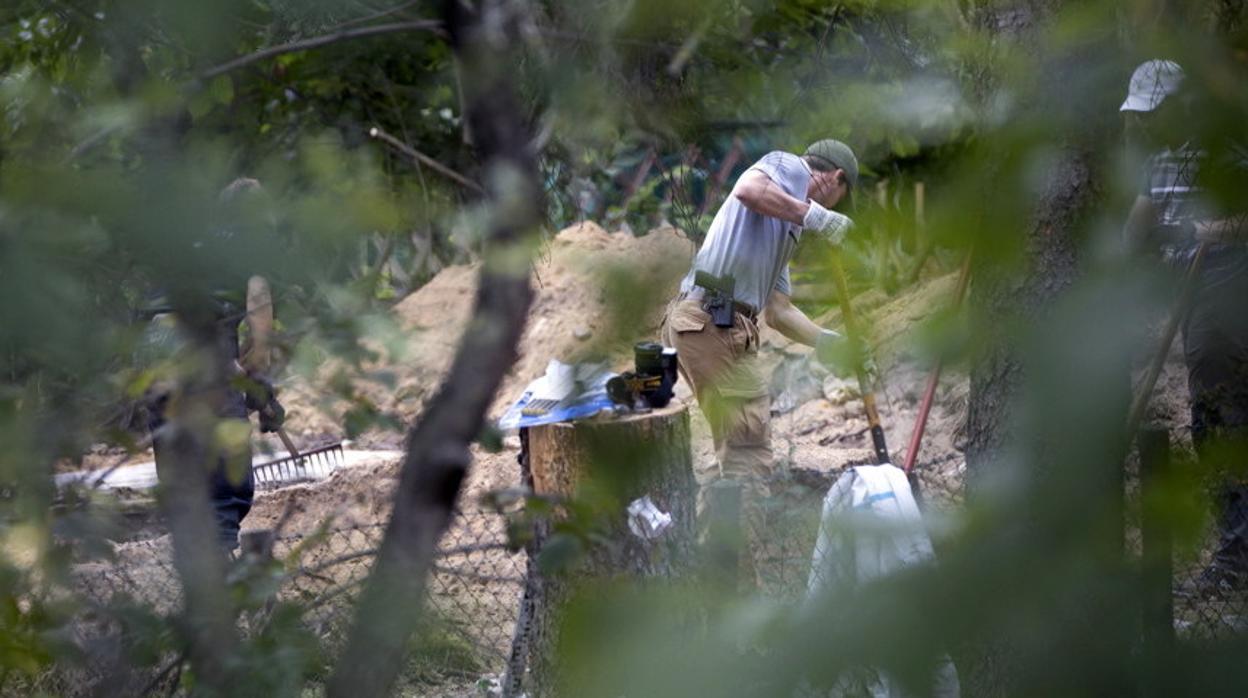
column 1142, row 394
column 864, row 383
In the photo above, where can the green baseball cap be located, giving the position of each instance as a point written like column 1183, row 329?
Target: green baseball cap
column 839, row 155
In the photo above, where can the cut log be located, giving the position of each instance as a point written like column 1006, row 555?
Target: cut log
column 607, row 464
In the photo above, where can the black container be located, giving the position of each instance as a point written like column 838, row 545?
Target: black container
column 654, row 359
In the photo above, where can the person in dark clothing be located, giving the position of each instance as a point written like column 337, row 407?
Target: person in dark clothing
column 1173, row 213
column 225, row 375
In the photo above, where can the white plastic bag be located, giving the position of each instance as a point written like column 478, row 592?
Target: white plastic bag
column 870, row 527
column 874, row 500
column 646, row 520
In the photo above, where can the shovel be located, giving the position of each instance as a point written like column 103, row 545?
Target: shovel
column 1177, row 316
column 864, row 381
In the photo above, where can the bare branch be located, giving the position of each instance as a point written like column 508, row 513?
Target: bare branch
column 425, row 160
column 428, row 25
column 379, row 14
column 687, row 49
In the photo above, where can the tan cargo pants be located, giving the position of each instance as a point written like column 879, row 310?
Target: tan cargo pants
column 720, row 364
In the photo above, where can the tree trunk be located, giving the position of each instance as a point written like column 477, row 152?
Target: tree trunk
column 1006, row 295
column 1011, row 424
column 628, row 458
column 437, row 451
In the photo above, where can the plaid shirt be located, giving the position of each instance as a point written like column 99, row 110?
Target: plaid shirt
column 1171, row 183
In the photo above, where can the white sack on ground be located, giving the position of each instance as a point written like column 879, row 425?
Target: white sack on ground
column 870, row 527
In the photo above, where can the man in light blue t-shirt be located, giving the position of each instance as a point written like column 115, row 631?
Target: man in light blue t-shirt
column 740, row 273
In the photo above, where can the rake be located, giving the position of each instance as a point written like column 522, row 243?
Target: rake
column 298, row 466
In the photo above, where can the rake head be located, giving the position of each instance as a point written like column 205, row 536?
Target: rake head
column 312, row 464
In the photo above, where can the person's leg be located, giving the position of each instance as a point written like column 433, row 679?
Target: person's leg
column 746, row 457
column 232, row 490
column 720, row 365
column 1216, row 351
column 1224, row 428
column 1232, row 551
column 702, row 353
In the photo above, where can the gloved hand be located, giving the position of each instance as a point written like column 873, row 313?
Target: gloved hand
column 272, row 417
column 830, row 225
column 262, row 398
column 257, row 390
column 842, row 355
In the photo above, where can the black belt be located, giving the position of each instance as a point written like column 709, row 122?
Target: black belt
column 697, row 293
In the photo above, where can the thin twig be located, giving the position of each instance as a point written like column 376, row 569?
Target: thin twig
column 806, row 431
column 334, row 593
column 476, row 548
column 677, row 65
column 844, row 436
column 90, row 142
column 319, row 41
column 287, row 512
column 378, row 15
column 142, row 445
column 311, row 570
column 177, row 679
column 156, row 680
column 425, row 160
column 476, row 577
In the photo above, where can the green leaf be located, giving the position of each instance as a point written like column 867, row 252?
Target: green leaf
column 560, row 553
column 222, row 90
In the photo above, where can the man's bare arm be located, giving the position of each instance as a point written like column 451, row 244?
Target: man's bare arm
column 789, row 320
column 256, row 355
column 758, row 193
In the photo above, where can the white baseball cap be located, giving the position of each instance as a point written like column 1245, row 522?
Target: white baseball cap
column 1151, row 83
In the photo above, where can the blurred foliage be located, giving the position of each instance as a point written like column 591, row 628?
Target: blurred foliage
column 113, row 149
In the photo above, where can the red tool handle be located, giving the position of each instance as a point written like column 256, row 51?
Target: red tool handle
column 925, row 406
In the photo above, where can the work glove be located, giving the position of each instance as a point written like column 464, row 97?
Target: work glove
column 258, row 390
column 829, row 225
column 272, row 417
column 844, row 356
column 261, row 398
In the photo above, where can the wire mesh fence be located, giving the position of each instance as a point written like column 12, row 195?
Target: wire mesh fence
column 1208, row 610
column 1201, row 598
column 473, row 593
column 1204, row 603
column 476, row 586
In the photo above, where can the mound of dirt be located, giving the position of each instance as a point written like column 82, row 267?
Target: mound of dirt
column 587, row 280
column 596, row 294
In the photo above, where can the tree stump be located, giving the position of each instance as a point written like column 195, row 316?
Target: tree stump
column 602, row 466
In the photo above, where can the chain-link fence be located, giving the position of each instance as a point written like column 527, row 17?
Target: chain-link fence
column 473, row 594
column 476, row 586
column 1188, row 597
column 1207, row 610
column 1189, row 594
column 790, row 521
